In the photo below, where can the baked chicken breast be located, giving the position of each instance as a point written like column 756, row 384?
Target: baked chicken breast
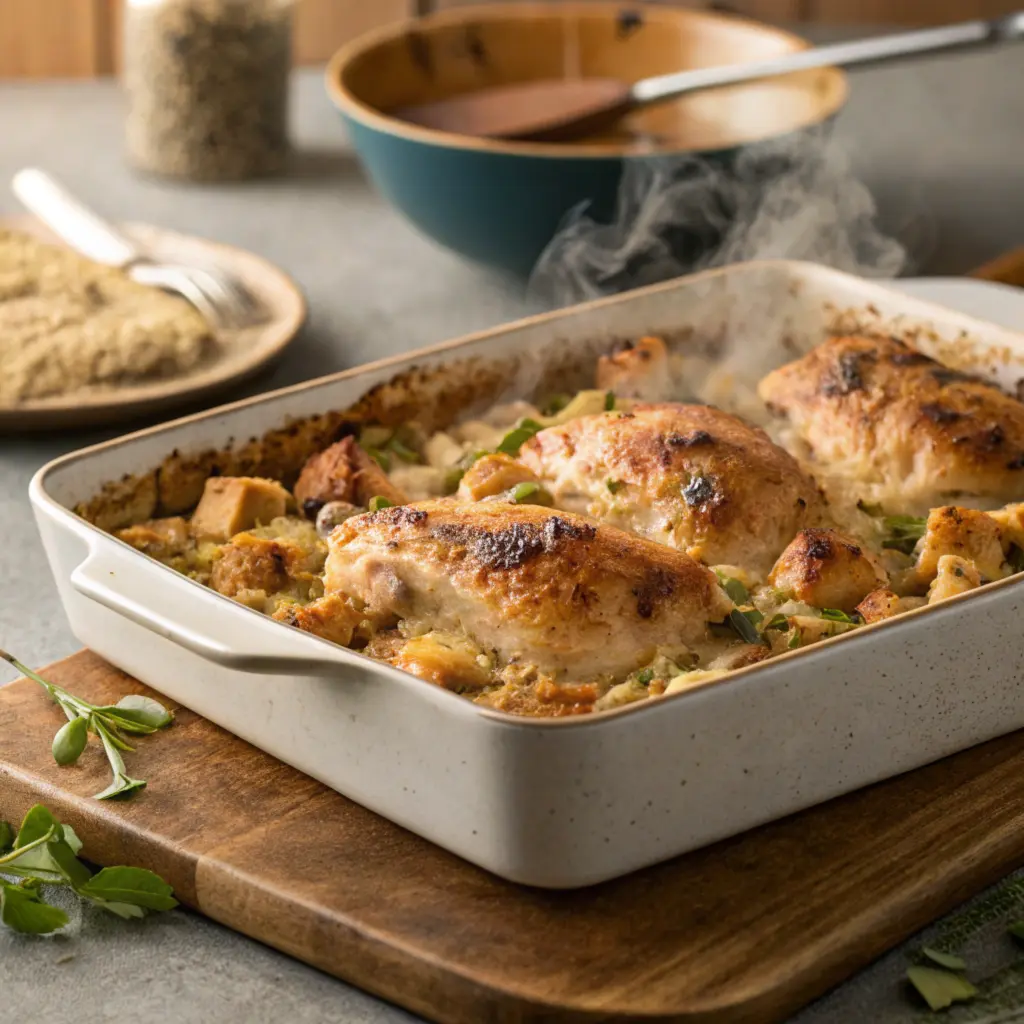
column 525, row 583
column 911, row 432
column 689, row 476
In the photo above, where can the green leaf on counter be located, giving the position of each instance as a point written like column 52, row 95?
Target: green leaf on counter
column 37, row 824
column 70, row 740
column 22, row 910
column 1016, row 929
column 947, row 960
column 939, row 988
column 134, row 886
column 6, row 837
column 120, row 786
column 139, row 709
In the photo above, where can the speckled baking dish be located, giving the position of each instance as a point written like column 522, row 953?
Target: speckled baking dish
column 558, row 803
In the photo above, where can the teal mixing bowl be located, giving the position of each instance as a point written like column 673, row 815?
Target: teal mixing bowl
column 499, row 203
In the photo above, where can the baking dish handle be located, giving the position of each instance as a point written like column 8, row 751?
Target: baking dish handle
column 198, row 626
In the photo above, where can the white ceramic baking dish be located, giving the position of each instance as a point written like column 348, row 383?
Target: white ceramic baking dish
column 568, row 802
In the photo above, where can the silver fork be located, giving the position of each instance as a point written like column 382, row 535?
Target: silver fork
column 220, row 297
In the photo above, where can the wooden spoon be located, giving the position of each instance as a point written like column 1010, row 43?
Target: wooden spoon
column 560, row 110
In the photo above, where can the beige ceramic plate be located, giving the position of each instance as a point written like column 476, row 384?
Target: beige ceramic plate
column 240, row 354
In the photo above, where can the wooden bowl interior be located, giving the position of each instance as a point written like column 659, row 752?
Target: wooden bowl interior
column 470, row 48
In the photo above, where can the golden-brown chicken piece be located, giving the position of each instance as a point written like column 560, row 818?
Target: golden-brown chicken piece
column 343, row 472
column 547, row 588
column 912, row 432
column 689, row 476
column 966, row 533
column 639, row 370
column 826, row 569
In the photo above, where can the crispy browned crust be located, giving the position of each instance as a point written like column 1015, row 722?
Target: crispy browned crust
column 343, row 472
column 966, row 533
column 879, row 604
column 734, row 496
column 827, row 569
column 890, row 415
column 331, row 617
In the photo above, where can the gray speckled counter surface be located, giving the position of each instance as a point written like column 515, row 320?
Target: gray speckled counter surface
column 940, row 143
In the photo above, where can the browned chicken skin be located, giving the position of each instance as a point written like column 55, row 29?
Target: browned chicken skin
column 878, row 412
column 690, row 476
column 551, row 589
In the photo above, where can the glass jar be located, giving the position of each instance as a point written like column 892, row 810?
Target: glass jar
column 207, row 87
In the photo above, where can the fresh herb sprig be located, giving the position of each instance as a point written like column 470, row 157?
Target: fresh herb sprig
column 132, row 715
column 903, row 532
column 45, row 852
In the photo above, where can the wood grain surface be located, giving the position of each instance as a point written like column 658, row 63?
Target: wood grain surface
column 747, row 930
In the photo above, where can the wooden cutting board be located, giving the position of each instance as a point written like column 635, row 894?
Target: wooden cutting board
column 750, row 929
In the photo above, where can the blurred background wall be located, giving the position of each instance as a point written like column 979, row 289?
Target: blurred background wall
column 79, row 38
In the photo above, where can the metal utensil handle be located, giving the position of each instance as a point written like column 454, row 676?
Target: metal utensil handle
column 964, row 35
column 85, row 231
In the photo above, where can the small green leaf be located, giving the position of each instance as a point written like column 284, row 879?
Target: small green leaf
column 71, row 838
column 614, row 486
column 70, row 740
column 377, row 503
column 23, row 911
column 736, row 591
column 903, row 532
column 779, row 621
column 62, row 854
column 514, row 440
column 122, row 785
column 125, row 910
column 136, row 707
column 794, row 640
column 36, row 823
column 1016, row 929
column 744, row 628
column 530, row 493
column 403, row 451
column 135, row 886
column 835, row 615
column 753, row 616
column 947, row 960
column 940, row 989
column 644, row 676
column 6, row 837
column 609, row 401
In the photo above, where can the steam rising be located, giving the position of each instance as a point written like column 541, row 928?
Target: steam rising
column 677, row 214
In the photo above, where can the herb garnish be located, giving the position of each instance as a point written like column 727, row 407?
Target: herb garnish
column 555, row 404
column 403, row 451
column 947, row 960
column 609, row 401
column 744, row 628
column 517, row 437
column 794, row 640
column 1016, row 929
column 939, row 988
column 835, row 615
column 134, row 714
column 903, row 532
column 380, row 457
column 377, row 502
column 614, row 486
column 778, row 621
column 530, row 493
column 738, row 593
column 44, row 852
column 454, row 474
column 644, row 676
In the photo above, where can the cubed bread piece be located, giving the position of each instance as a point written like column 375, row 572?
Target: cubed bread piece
column 879, row 604
column 343, row 472
column 254, row 564
column 333, row 618
column 492, row 475
column 966, row 533
column 161, row 538
column 954, row 576
column 826, row 569
column 231, row 504
column 638, row 370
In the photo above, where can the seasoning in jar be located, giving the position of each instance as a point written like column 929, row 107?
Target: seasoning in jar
column 207, row 87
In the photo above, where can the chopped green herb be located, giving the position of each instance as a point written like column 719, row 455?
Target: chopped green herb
column 753, row 616
column 133, row 714
column 736, row 591
column 870, row 510
column 1015, row 557
column 403, row 451
column 644, row 676
column 794, row 640
column 381, row 458
column 46, row 853
column 614, row 486
column 516, row 438
column 377, row 503
column 530, row 493
column 744, row 628
column 779, row 621
column 835, row 615
column 947, row 960
column 903, row 532
column 940, row 989
column 1017, row 930
column 609, row 401
column 555, row 404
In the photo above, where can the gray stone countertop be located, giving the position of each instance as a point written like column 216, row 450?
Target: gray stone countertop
column 941, row 144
